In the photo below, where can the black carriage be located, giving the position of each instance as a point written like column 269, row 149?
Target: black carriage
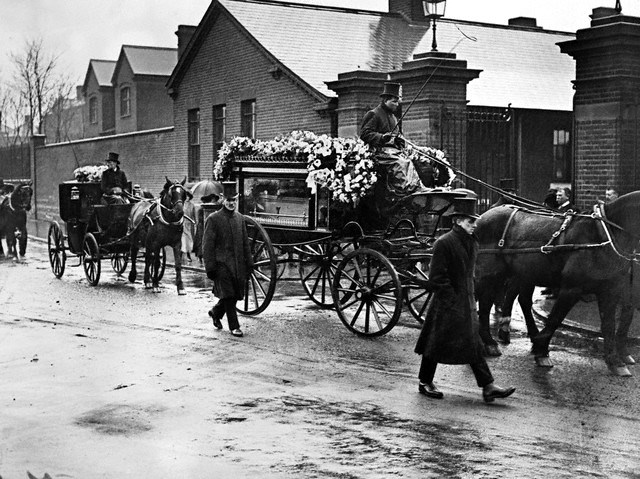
column 94, row 231
column 365, row 269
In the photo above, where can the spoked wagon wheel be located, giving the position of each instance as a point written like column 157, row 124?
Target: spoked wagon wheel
column 416, row 298
column 163, row 264
column 119, row 262
column 317, row 265
column 57, row 253
column 261, row 285
column 91, row 259
column 367, row 293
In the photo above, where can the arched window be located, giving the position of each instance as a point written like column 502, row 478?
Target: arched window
column 125, row 101
column 93, row 110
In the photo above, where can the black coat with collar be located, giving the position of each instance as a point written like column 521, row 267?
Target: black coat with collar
column 450, row 332
column 376, row 123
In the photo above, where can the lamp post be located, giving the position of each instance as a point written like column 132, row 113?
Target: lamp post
column 434, row 9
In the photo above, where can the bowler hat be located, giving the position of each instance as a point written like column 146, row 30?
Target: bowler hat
column 464, row 207
column 229, row 190
column 392, row 89
column 113, row 157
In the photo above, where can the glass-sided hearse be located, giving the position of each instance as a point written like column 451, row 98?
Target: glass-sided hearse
column 364, row 261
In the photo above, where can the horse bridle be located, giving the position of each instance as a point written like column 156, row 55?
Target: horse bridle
column 173, row 205
column 11, row 207
column 599, row 214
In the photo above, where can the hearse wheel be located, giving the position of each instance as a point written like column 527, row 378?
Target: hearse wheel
column 367, row 293
column 91, row 259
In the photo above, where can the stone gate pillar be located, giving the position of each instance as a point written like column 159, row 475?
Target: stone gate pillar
column 605, row 107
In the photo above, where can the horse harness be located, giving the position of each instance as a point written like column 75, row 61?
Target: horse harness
column 550, row 247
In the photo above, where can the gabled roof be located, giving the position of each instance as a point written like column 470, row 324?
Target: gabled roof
column 153, row 61
column 520, row 65
column 102, row 70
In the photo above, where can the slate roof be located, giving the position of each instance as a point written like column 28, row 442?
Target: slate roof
column 522, row 66
column 102, row 69
column 157, row 61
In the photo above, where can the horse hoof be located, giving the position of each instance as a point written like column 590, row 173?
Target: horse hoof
column 504, row 336
column 628, row 359
column 148, row 286
column 182, row 292
column 156, row 289
column 492, row 350
column 544, row 362
column 620, row 371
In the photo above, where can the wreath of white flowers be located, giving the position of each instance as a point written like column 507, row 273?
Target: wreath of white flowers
column 89, row 174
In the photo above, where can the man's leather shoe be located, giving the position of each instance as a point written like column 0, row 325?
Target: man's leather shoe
column 430, row 390
column 491, row 393
column 216, row 321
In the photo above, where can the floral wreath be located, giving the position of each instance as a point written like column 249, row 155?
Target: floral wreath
column 90, row 173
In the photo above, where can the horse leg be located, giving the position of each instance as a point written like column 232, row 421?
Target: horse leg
column 622, row 331
column 148, row 259
column 567, row 298
column 177, row 255
column 510, row 294
column 525, row 299
column 607, row 302
column 11, row 244
column 23, row 241
column 486, row 293
column 133, row 253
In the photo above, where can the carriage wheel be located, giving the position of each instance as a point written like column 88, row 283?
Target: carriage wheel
column 163, row 264
column 261, row 285
column 91, row 259
column 282, row 259
column 57, row 253
column 119, row 262
column 367, row 293
column 317, row 266
column 416, row 298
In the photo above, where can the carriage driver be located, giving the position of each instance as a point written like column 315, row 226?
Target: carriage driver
column 114, row 182
column 450, row 332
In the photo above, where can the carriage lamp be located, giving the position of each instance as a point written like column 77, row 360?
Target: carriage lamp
column 433, row 10
column 75, row 193
column 137, row 191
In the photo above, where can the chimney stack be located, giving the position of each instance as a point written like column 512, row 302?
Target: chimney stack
column 184, row 33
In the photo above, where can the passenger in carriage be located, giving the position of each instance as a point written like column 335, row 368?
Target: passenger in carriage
column 450, row 332
column 114, row 182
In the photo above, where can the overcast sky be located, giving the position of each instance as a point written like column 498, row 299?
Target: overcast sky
column 80, row 30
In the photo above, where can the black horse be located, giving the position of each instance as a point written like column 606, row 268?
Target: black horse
column 13, row 218
column 154, row 225
column 578, row 254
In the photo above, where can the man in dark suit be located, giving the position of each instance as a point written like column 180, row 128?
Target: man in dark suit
column 379, row 126
column 450, row 333
column 114, row 182
column 563, row 197
column 227, row 258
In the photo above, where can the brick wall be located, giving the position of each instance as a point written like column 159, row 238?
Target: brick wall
column 154, row 106
column 146, row 157
column 223, row 75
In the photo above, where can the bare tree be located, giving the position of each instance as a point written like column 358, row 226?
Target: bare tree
column 61, row 113
column 35, row 81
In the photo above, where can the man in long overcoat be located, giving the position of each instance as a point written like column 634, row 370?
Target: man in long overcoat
column 227, row 258
column 450, row 331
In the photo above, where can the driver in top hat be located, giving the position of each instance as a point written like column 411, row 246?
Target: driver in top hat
column 114, row 181
column 450, row 333
column 379, row 126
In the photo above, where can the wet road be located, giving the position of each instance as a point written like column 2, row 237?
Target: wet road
column 114, row 381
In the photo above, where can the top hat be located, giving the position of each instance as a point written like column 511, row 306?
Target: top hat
column 392, row 89
column 464, row 207
column 229, row 190
column 113, row 157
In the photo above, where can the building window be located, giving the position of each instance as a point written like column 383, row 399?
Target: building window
column 248, row 114
column 125, row 101
column 561, row 155
column 93, row 110
column 193, row 117
column 219, row 128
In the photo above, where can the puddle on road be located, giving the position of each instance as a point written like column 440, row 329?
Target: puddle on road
column 119, row 419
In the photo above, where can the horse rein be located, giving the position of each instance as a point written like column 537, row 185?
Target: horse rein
column 599, row 214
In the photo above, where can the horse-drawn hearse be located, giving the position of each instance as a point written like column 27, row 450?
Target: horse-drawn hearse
column 366, row 257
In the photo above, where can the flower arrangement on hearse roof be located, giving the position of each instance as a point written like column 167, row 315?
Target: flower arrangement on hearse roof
column 343, row 165
column 89, row 173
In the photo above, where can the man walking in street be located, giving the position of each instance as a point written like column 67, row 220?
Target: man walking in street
column 450, row 333
column 227, row 258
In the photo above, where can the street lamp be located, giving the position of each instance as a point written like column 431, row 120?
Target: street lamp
column 434, row 9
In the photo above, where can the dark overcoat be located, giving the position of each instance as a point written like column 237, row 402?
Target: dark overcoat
column 450, row 331
column 226, row 253
column 376, row 123
column 112, row 179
